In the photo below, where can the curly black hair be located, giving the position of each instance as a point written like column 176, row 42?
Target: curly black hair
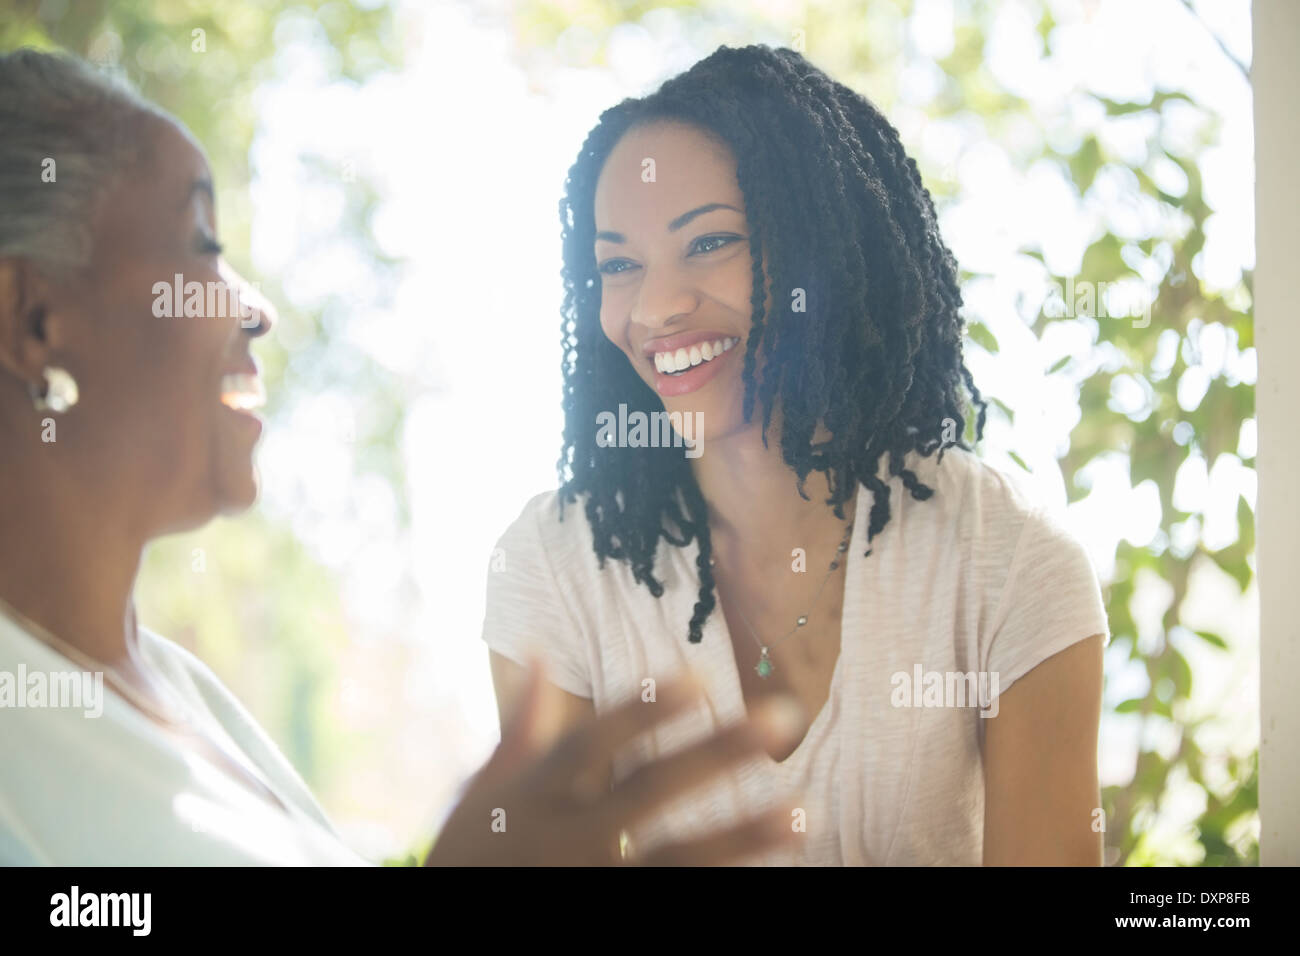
column 836, row 208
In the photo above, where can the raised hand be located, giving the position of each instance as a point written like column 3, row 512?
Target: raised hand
column 532, row 806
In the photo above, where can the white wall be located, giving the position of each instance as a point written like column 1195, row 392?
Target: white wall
column 1276, row 77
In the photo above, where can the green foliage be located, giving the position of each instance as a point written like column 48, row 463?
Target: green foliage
column 1155, row 452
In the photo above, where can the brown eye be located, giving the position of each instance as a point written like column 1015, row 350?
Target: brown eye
column 608, row 267
column 706, row 244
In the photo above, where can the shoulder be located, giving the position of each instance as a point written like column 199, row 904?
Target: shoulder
column 1038, row 575
column 1001, row 536
column 541, row 511
column 74, row 742
column 970, row 479
column 1031, row 526
column 211, row 700
column 185, row 672
column 204, row 692
column 549, row 530
column 978, row 506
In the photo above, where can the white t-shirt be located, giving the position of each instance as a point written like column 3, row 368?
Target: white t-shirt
column 974, row 579
column 87, row 789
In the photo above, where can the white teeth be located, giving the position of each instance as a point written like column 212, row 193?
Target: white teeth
column 670, row 362
column 242, row 392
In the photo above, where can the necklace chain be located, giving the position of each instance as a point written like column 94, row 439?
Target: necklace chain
column 92, row 665
column 765, row 666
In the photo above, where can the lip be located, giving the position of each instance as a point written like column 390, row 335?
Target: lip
column 246, row 419
column 694, row 378
column 244, row 365
column 682, row 340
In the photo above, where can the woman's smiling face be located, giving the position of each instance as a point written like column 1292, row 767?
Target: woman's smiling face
column 159, row 424
column 673, row 254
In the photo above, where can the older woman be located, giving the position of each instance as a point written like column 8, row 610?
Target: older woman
column 119, row 426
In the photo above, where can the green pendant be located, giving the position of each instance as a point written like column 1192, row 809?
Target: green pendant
column 764, row 665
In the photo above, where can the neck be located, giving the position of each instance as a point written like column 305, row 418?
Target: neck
column 65, row 566
column 754, row 503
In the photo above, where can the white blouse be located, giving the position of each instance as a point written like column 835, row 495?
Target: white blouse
column 968, row 590
column 110, row 788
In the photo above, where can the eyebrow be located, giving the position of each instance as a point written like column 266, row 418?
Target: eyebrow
column 676, row 224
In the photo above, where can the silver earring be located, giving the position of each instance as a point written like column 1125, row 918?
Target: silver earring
column 60, row 391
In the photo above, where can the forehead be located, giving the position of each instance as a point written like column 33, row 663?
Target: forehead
column 157, row 191
column 178, row 158
column 691, row 167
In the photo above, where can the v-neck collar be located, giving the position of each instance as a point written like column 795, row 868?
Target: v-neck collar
column 724, row 676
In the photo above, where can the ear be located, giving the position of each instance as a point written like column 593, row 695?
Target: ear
column 24, row 336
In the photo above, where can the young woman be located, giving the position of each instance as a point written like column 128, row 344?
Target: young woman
column 119, row 426
column 750, row 250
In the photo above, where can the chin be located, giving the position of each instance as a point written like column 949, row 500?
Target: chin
column 237, row 493
column 229, row 489
column 721, row 412
column 233, row 476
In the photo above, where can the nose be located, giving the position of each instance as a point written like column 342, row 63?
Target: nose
column 261, row 313
column 664, row 295
column 256, row 313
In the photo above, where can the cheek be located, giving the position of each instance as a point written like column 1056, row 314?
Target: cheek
column 160, row 384
column 182, row 351
column 614, row 324
column 733, row 284
column 613, row 317
column 177, row 379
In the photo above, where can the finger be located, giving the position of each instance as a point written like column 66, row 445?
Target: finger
column 776, row 722
column 766, row 832
column 593, row 744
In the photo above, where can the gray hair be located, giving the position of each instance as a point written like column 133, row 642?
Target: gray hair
column 67, row 131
